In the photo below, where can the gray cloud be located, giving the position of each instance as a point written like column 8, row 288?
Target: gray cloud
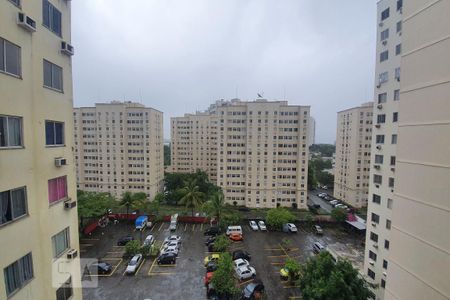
column 180, row 56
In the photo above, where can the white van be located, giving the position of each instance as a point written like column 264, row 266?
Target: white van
column 234, row 229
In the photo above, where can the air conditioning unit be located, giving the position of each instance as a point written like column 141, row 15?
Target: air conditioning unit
column 379, row 147
column 69, row 204
column 371, row 262
column 374, row 224
column 377, row 185
column 384, row 274
column 380, row 24
column 377, row 125
column 384, row 42
column 375, row 245
column 380, row 106
column 72, row 253
column 26, row 22
column 378, row 85
column 376, row 167
column 398, row 78
column 393, row 169
column 67, row 48
column 59, row 161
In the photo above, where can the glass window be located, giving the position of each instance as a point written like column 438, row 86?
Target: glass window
column 376, row 198
column 377, row 179
column 372, row 256
column 375, row 218
column 378, row 159
column 396, row 95
column 60, row 242
column 385, row 14
column 16, row 2
column 18, row 274
column 384, row 34
column 386, row 244
column 381, row 118
column 53, row 76
column 399, row 4
column 383, row 77
column 391, row 182
column 394, row 139
column 57, row 189
column 13, row 204
column 10, row 58
column 10, row 131
column 65, row 291
column 389, row 203
column 382, row 98
column 54, row 133
column 388, row 224
column 392, row 160
column 398, row 49
column 371, row 273
column 374, row 237
column 399, row 26
column 51, row 17
column 385, row 264
column 395, row 117
column 397, row 73
column 379, row 138
column 384, row 56
column 383, row 283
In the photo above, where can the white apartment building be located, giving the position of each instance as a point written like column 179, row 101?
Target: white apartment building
column 312, row 131
column 384, row 142
column 260, row 150
column 39, row 252
column 352, row 162
column 194, row 144
column 419, row 258
column 119, row 148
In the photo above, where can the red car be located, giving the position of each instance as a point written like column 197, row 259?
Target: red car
column 208, row 277
column 236, row 237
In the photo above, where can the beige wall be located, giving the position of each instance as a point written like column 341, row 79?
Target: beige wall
column 119, row 148
column 419, row 262
column 352, row 163
column 33, row 165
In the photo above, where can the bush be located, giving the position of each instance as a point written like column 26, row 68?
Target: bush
column 293, row 267
column 276, row 217
column 230, row 218
column 146, row 250
column 154, row 249
column 132, row 248
column 221, row 243
column 339, row 214
column 223, row 279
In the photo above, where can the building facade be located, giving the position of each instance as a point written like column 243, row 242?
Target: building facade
column 119, row 148
column 194, row 144
column 384, row 142
column 419, row 259
column 312, row 131
column 352, row 162
column 261, row 151
column 38, row 217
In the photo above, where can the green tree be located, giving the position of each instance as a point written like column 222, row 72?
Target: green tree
column 192, row 197
column 130, row 200
column 339, row 214
column 293, row 267
column 326, row 150
column 322, row 278
column 133, row 247
column 312, row 181
column 223, row 279
column 93, row 204
column 167, row 155
column 325, row 178
column 127, row 200
column 276, row 217
column 221, row 243
column 215, row 206
column 230, row 218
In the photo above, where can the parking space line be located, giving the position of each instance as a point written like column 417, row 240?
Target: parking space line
column 159, row 229
column 161, row 273
column 166, row 266
column 137, row 271
column 193, row 227
column 201, row 227
column 151, row 267
column 276, row 256
column 185, row 226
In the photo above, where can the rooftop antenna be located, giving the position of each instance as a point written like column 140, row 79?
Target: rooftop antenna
column 260, row 95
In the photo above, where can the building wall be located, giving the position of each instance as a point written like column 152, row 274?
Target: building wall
column 32, row 164
column 419, row 260
column 312, row 131
column 119, row 148
column 353, row 142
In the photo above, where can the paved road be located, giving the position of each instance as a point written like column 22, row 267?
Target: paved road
column 314, row 199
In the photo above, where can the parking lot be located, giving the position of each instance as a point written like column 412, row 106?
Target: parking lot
column 185, row 278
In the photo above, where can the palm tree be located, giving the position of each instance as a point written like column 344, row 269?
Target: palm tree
column 127, row 200
column 192, row 197
column 217, row 205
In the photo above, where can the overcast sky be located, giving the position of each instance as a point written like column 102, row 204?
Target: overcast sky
column 180, row 56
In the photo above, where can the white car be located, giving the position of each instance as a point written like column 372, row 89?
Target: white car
column 321, row 195
column 262, row 226
column 171, row 249
column 291, row 227
column 245, row 272
column 149, row 240
column 253, row 225
column 171, row 245
column 134, row 264
column 240, row 262
column 172, row 238
column 333, row 202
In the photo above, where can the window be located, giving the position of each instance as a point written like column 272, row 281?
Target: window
column 392, row 160
column 384, row 55
column 389, row 203
column 399, row 4
column 65, row 291
column 399, row 26
column 372, row 256
column 13, row 205
column 382, row 98
column 374, row 237
column 385, row 264
column 371, row 273
column 18, row 274
column 385, row 14
column 381, row 118
column 383, row 77
column 394, row 139
column 386, row 244
column 376, row 199
column 54, row 133
column 375, row 218
column 57, row 189
column 391, row 182
column 10, row 62
column 16, row 2
column 384, row 35
column 53, row 77
column 10, row 131
column 378, row 159
column 395, row 117
column 51, row 17
column 377, row 179
column 388, row 224
column 398, row 49
column 397, row 73
column 379, row 138
column 60, row 242
column 396, row 95
column 383, row 283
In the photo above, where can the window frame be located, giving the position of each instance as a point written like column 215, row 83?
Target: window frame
column 52, row 67
column 3, row 71
column 17, row 3
column 10, row 200
column 50, row 26
column 66, row 235
column 51, row 203
column 63, row 144
column 7, row 131
column 67, row 285
column 19, row 272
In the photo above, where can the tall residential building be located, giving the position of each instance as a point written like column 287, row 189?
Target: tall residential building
column 194, row 144
column 261, row 151
column 384, row 141
column 119, row 148
column 312, row 131
column 38, row 215
column 419, row 259
column 352, row 162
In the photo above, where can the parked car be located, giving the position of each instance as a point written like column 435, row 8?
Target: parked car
column 328, row 198
column 134, row 264
column 211, row 266
column 322, row 195
column 336, row 205
column 262, row 226
column 149, row 240
column 241, row 254
column 236, row 237
column 316, row 206
column 208, row 277
column 172, row 238
column 101, row 267
column 171, row 249
column 166, row 259
column 289, row 227
column 211, row 247
column 234, row 229
column 324, row 187
column 213, row 257
column 245, row 272
column 171, row 244
column 333, row 202
column 251, row 290
column 124, row 240
column 253, row 225
column 212, row 231
column 240, row 263
column 318, row 229
column 318, row 247
column 210, row 240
